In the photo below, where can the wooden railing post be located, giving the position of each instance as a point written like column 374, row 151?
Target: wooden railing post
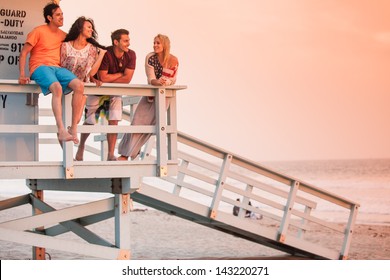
column 39, row 253
column 161, row 132
column 287, row 211
column 220, row 185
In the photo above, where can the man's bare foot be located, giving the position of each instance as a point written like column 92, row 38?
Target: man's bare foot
column 112, row 158
column 80, row 154
column 76, row 140
column 73, row 132
column 65, row 136
column 122, row 158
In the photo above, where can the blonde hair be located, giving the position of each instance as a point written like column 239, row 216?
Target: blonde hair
column 166, row 43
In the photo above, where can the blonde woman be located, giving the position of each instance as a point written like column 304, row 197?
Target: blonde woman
column 161, row 70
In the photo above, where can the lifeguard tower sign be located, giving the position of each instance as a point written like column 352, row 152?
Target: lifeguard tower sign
column 17, row 19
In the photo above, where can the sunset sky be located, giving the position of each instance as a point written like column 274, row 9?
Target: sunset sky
column 268, row 80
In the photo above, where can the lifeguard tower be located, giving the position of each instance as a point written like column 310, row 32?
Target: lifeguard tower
column 194, row 180
column 118, row 178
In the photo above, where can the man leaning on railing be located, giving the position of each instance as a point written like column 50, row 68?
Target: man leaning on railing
column 118, row 66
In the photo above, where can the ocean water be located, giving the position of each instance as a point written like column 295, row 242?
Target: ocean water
column 366, row 182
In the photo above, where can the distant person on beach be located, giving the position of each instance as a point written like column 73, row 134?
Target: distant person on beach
column 118, row 66
column 161, row 70
column 236, row 210
column 80, row 52
column 43, row 44
column 248, row 213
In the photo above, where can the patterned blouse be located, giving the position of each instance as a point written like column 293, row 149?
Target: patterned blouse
column 78, row 61
column 159, row 71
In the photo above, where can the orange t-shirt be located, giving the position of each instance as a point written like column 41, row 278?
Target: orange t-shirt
column 46, row 46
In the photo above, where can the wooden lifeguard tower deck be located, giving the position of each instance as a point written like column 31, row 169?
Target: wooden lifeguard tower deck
column 192, row 179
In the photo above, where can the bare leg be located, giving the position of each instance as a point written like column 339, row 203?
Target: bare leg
column 78, row 103
column 56, row 104
column 81, row 148
column 111, row 139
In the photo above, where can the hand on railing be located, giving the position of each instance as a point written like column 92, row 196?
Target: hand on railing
column 24, row 80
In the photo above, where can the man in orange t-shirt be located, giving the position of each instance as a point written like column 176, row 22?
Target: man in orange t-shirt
column 43, row 44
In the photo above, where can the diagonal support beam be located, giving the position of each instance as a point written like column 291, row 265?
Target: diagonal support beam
column 39, row 240
column 61, row 215
column 72, row 226
column 14, row 202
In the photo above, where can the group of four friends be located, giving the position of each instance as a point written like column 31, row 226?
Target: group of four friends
column 61, row 62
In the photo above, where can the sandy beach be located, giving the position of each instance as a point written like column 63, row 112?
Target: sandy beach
column 157, row 235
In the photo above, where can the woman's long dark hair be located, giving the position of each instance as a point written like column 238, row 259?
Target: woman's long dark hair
column 77, row 28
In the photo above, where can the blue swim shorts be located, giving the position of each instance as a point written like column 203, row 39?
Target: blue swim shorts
column 44, row 76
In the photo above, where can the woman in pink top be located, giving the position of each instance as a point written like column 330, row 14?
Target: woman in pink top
column 80, row 52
